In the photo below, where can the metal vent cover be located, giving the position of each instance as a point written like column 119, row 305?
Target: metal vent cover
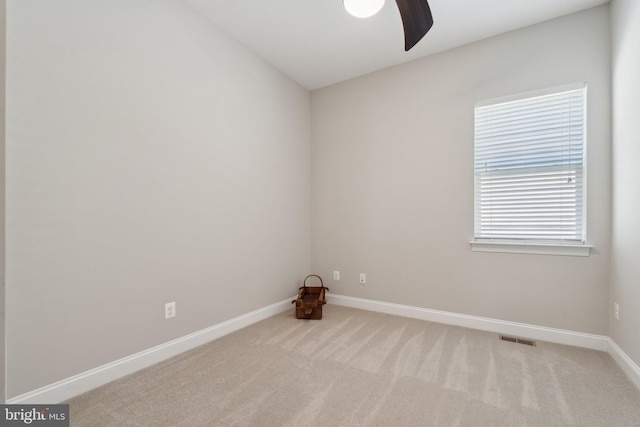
column 524, row 341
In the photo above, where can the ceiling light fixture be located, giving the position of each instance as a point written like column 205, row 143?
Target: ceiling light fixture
column 363, row 8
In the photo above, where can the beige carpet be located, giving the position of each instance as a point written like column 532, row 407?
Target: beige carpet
column 357, row 368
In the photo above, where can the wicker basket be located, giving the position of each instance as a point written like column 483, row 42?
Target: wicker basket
column 310, row 300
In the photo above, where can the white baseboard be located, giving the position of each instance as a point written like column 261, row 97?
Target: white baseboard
column 560, row 336
column 85, row 381
column 627, row 365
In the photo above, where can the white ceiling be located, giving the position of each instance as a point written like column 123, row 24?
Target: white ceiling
column 317, row 43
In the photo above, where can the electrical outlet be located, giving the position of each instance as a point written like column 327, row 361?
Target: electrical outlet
column 170, row 310
column 616, row 310
column 336, row 276
column 363, row 278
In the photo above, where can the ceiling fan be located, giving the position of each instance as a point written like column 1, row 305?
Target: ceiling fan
column 415, row 14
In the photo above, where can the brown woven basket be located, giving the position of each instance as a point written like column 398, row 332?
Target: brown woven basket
column 310, row 300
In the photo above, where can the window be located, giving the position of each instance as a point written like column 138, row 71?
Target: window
column 530, row 172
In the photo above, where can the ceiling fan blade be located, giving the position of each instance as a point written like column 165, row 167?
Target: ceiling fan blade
column 416, row 19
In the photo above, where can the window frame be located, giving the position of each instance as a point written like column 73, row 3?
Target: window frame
column 536, row 246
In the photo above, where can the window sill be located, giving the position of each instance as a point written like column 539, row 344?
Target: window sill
column 531, row 248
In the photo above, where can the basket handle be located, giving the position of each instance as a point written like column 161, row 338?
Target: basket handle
column 304, row 284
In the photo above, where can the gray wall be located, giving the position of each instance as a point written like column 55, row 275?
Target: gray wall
column 3, row 32
column 150, row 158
column 625, row 285
column 392, row 180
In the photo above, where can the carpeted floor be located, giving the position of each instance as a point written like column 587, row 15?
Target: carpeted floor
column 358, row 368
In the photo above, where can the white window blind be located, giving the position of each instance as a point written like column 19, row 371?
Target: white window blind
column 529, row 168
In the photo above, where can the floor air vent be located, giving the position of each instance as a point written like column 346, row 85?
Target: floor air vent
column 518, row 340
